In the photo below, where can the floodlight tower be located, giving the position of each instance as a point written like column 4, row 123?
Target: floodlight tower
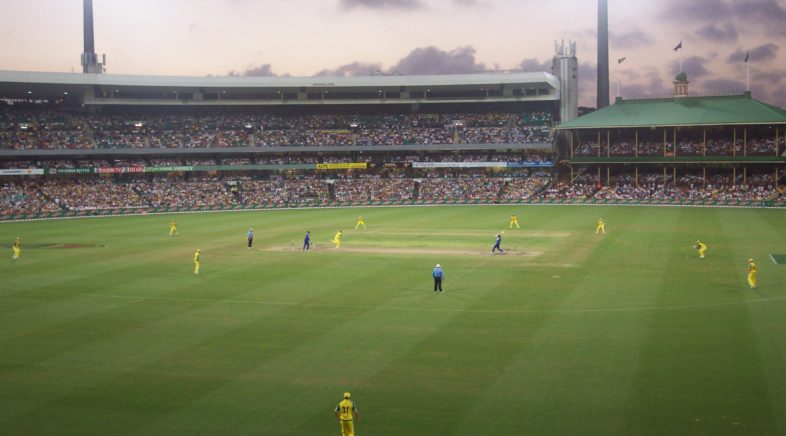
column 90, row 62
column 603, row 53
column 566, row 66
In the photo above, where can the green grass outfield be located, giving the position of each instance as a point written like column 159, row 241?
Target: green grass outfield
column 104, row 329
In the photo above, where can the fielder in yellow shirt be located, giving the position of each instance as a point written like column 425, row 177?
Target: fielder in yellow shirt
column 17, row 248
column 600, row 227
column 196, row 261
column 173, row 228
column 752, row 274
column 360, row 223
column 345, row 411
column 701, row 247
column 337, row 239
column 514, row 221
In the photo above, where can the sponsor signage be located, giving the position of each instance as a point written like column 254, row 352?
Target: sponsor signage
column 343, row 166
column 21, row 171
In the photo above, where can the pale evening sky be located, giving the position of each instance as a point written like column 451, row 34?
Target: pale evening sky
column 358, row 37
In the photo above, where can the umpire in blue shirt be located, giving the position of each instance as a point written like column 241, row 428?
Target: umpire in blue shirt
column 438, row 276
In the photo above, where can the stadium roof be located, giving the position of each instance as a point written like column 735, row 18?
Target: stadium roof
column 133, row 89
column 681, row 111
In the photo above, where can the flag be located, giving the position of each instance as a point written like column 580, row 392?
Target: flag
column 678, row 47
column 747, row 56
column 621, row 60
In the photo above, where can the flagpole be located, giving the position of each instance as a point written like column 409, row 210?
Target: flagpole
column 748, row 78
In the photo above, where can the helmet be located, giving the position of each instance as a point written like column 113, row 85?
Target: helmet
column 346, row 395
column 438, row 266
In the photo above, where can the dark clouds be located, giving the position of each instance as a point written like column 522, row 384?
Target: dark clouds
column 432, row 60
column 722, row 86
column 725, row 32
column 691, row 11
column 352, row 69
column 381, row 4
column 534, row 65
column 761, row 53
column 693, row 66
column 260, row 71
column 632, row 39
column 767, row 13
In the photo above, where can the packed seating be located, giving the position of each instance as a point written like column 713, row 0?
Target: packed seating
column 50, row 129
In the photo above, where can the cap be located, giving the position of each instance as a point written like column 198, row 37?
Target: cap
column 346, row 395
column 750, row 260
column 438, row 266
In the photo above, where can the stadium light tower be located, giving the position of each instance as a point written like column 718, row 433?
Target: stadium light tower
column 603, row 53
column 90, row 62
column 566, row 66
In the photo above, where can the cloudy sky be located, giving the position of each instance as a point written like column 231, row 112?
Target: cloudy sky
column 358, row 37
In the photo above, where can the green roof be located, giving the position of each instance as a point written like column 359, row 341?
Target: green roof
column 680, row 111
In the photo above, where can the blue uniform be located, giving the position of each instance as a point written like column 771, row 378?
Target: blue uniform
column 496, row 245
column 438, row 276
column 307, row 242
column 250, row 236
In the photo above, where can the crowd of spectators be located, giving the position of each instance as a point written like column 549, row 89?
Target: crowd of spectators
column 47, row 194
column 48, row 129
column 713, row 147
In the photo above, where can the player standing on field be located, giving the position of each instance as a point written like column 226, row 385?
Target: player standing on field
column 250, row 236
column 360, row 222
column 438, row 275
column 173, row 228
column 17, row 248
column 600, row 226
column 752, row 274
column 307, row 242
column 345, row 412
column 196, row 261
column 514, row 221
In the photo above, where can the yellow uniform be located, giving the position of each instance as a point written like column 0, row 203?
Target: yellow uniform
column 173, row 228
column 196, row 262
column 514, row 220
column 17, row 248
column 600, row 227
column 752, row 274
column 345, row 412
column 337, row 239
column 702, row 247
column 360, row 223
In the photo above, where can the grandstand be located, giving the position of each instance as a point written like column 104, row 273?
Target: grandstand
column 72, row 143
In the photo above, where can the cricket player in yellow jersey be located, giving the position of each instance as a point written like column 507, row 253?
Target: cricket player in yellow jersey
column 173, row 228
column 752, row 274
column 702, row 247
column 514, row 221
column 360, row 223
column 600, row 226
column 196, row 261
column 345, row 411
column 17, row 248
column 337, row 239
